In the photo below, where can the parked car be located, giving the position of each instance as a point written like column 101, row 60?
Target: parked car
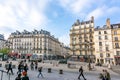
column 63, row 61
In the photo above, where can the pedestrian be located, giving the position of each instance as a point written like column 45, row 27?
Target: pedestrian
column 10, row 68
column 18, row 77
column 22, row 66
column 25, row 67
column 81, row 73
column 32, row 66
column 102, row 75
column 36, row 65
column 40, row 72
column 107, row 75
column 25, row 77
column 19, row 68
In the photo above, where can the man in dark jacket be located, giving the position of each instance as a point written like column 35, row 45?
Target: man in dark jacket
column 81, row 73
column 40, row 72
column 10, row 67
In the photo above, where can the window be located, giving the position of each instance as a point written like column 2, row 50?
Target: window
column 90, row 30
column 117, row 53
column 116, row 38
column 105, row 32
column 80, row 37
column 100, row 38
column 106, row 37
column 90, row 40
column 107, row 55
column 80, row 52
column 99, row 32
column 80, row 46
column 116, row 45
column 107, row 48
column 100, row 43
column 101, row 54
column 100, row 48
column 115, row 32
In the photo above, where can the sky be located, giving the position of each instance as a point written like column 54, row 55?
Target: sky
column 55, row 16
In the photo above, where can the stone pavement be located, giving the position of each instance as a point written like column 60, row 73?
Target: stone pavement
column 68, row 74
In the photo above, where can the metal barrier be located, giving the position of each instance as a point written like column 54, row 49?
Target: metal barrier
column 2, row 71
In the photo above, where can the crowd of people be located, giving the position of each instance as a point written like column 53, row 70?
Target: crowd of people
column 105, row 75
column 23, row 69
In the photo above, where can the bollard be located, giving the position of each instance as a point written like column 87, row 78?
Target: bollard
column 6, row 66
column 49, row 70
column 0, row 64
column 60, row 71
column 13, row 66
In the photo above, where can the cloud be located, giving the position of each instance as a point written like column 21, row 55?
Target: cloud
column 98, row 12
column 77, row 6
column 65, row 38
column 103, row 11
column 23, row 14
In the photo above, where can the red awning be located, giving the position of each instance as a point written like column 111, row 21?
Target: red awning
column 28, row 54
column 117, row 56
column 13, row 54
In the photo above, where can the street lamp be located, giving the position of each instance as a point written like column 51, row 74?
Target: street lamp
column 89, row 60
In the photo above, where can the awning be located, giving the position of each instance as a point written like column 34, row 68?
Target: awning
column 117, row 56
column 1, row 53
column 28, row 54
column 13, row 54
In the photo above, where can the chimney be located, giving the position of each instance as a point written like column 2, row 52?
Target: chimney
column 108, row 22
column 92, row 18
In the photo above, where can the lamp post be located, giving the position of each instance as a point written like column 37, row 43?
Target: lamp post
column 89, row 60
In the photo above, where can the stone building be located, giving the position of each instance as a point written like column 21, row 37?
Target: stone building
column 40, row 42
column 107, row 43
column 103, row 44
column 2, row 41
column 82, row 39
column 116, row 42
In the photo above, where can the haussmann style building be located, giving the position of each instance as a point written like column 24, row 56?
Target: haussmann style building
column 82, row 40
column 107, row 43
column 40, row 42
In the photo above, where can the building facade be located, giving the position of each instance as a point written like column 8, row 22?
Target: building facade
column 107, row 43
column 2, row 41
column 116, row 42
column 41, row 42
column 82, row 39
column 103, row 44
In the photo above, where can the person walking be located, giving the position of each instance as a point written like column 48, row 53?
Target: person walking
column 81, row 73
column 26, row 67
column 40, row 72
column 102, row 75
column 32, row 66
column 10, row 68
column 36, row 65
column 19, row 68
column 18, row 77
column 107, row 75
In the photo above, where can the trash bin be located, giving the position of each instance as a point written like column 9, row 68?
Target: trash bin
column 6, row 66
column 49, row 70
column 13, row 66
column 60, row 71
column 0, row 64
